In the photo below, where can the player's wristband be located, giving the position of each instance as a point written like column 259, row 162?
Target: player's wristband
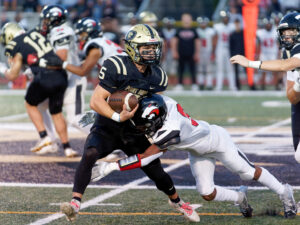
column 296, row 86
column 254, row 64
column 130, row 162
column 116, row 117
column 64, row 65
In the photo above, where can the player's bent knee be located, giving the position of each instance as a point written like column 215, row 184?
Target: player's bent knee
column 211, row 196
column 249, row 175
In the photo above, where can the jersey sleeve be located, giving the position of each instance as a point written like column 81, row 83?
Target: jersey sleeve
column 108, row 76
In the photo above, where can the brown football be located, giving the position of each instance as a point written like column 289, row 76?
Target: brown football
column 119, row 98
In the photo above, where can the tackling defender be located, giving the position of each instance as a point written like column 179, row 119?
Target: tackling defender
column 289, row 36
column 167, row 126
column 139, row 74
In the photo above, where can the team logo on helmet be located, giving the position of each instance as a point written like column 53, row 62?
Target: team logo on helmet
column 150, row 112
column 56, row 11
column 130, row 35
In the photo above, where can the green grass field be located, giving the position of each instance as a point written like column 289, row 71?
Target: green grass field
column 221, row 110
column 137, row 207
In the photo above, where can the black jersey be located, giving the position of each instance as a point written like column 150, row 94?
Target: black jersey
column 32, row 46
column 120, row 73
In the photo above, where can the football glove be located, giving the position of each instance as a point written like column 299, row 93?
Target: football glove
column 87, row 118
column 3, row 68
column 102, row 169
column 296, row 86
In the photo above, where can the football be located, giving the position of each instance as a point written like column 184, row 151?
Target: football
column 119, row 98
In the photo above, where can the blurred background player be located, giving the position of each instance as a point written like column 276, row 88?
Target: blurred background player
column 185, row 49
column 204, row 69
column 221, row 52
column 148, row 17
column 168, row 32
column 236, row 46
column 267, row 48
column 48, row 83
column 63, row 39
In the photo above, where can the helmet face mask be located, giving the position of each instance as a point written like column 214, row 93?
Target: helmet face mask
column 87, row 28
column 52, row 16
column 289, row 30
column 150, row 115
column 143, row 45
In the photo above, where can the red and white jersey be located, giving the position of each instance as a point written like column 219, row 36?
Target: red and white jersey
column 223, row 31
column 108, row 47
column 268, row 41
column 63, row 37
column 181, row 132
column 206, row 36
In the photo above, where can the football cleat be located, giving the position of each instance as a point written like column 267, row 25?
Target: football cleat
column 69, row 152
column 188, row 212
column 70, row 209
column 289, row 204
column 44, row 145
column 244, row 206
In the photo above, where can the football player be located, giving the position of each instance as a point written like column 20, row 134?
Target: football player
column 168, row 126
column 48, row 83
column 206, row 34
column 267, row 47
column 289, row 37
column 221, row 52
column 63, row 40
column 140, row 74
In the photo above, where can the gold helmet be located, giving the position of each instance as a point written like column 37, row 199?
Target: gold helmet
column 141, row 35
column 148, row 17
column 10, row 31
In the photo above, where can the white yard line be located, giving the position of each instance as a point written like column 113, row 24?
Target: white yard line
column 108, row 195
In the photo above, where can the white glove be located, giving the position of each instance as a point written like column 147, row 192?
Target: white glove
column 3, row 68
column 87, row 118
column 28, row 73
column 43, row 62
column 102, row 169
column 296, row 86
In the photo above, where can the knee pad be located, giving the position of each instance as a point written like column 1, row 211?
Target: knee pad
column 249, row 175
column 90, row 155
column 211, row 196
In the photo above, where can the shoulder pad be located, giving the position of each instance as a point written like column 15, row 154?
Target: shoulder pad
column 162, row 74
column 61, row 32
column 295, row 50
column 118, row 64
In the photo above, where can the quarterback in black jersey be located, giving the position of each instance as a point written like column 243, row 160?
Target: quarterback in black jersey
column 289, row 37
column 140, row 74
column 26, row 49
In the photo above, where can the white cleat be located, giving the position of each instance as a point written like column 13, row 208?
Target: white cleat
column 70, row 209
column 43, row 146
column 289, row 204
column 188, row 212
column 69, row 152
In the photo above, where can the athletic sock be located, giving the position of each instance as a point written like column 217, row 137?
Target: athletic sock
column 77, row 198
column 224, row 194
column 43, row 134
column 66, row 145
column 268, row 180
column 176, row 200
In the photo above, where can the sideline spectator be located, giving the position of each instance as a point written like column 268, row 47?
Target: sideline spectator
column 30, row 5
column 236, row 46
column 221, row 51
column 186, row 47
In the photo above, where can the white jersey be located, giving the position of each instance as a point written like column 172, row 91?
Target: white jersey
column 223, row 31
column 63, row 37
column 206, row 36
column 168, row 33
column 268, row 42
column 181, row 132
column 108, row 47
